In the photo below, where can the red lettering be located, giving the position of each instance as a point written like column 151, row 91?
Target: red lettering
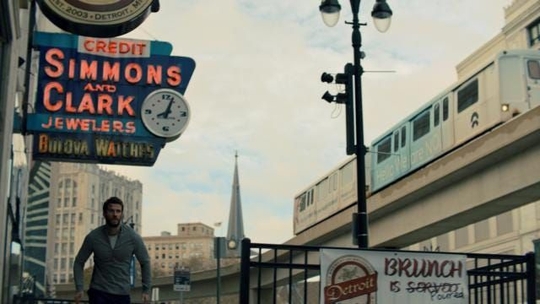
column 56, row 68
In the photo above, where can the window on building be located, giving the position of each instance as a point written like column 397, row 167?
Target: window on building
column 505, row 223
column 462, row 237
column 534, row 33
column 481, row 231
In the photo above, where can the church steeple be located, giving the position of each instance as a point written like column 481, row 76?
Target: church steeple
column 235, row 231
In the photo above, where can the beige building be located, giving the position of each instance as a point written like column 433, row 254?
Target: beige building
column 192, row 247
column 513, row 232
column 76, row 200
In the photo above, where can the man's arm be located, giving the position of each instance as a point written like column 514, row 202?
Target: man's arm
column 144, row 259
column 78, row 265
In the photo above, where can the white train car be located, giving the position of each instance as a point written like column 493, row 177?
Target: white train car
column 327, row 196
column 502, row 89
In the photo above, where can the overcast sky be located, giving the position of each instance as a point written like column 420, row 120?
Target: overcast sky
column 256, row 89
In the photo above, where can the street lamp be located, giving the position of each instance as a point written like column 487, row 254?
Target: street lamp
column 381, row 14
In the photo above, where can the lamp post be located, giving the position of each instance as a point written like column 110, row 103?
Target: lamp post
column 381, row 14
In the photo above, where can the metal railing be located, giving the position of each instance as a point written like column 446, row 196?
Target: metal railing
column 294, row 272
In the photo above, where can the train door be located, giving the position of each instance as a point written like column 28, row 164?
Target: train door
column 401, row 149
column 383, row 171
column 421, row 138
column 470, row 115
column 447, row 129
column 533, row 82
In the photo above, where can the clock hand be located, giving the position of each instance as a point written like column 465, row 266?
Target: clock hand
column 167, row 111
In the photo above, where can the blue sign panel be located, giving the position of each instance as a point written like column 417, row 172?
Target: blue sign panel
column 90, row 97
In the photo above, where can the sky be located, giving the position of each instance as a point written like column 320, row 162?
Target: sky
column 256, row 90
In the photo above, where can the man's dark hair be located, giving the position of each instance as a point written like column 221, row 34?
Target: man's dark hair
column 113, row 200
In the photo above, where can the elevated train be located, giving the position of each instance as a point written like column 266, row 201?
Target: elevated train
column 502, row 89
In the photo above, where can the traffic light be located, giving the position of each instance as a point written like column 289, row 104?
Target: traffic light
column 346, row 97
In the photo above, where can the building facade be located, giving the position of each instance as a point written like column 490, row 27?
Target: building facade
column 191, row 247
column 13, row 42
column 77, row 193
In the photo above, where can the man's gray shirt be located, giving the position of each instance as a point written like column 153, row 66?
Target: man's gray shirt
column 112, row 265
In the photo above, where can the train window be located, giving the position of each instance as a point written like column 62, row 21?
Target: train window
column 403, row 136
column 396, row 141
column 384, row 149
column 302, row 202
column 436, row 115
column 421, row 125
column 468, row 95
column 445, row 109
column 534, row 69
column 310, row 197
column 347, row 174
column 323, row 189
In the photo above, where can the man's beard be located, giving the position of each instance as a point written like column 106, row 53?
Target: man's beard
column 111, row 224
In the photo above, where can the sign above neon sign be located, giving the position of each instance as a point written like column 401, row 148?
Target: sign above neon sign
column 91, row 93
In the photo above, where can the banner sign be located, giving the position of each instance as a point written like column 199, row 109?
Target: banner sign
column 362, row 276
column 115, row 101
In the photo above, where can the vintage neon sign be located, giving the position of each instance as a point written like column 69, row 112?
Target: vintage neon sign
column 91, row 91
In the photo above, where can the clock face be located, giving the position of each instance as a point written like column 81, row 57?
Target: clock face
column 232, row 244
column 165, row 113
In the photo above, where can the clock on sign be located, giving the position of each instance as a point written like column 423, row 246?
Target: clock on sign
column 165, row 113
